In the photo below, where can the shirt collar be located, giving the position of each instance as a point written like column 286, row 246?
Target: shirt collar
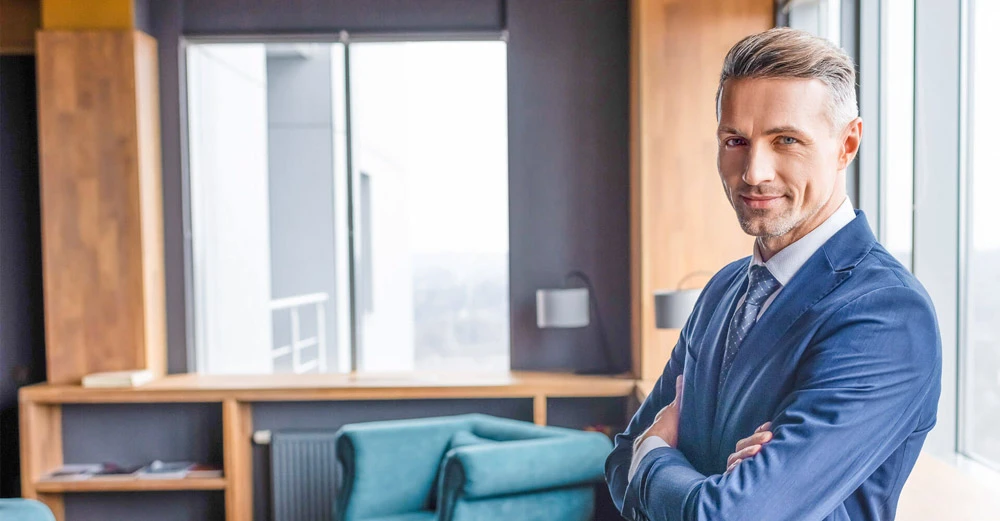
column 784, row 264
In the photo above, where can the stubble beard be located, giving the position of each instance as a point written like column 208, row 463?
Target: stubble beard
column 758, row 223
column 761, row 224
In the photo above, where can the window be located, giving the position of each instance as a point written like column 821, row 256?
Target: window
column 982, row 313
column 897, row 122
column 296, row 149
column 819, row 17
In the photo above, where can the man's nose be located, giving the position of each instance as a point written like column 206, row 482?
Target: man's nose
column 759, row 167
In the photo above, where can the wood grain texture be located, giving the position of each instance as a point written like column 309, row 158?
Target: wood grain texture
column 147, row 94
column 55, row 504
column 681, row 220
column 41, row 442
column 101, row 211
column 19, row 19
column 128, row 485
column 540, row 409
column 237, row 428
column 319, row 387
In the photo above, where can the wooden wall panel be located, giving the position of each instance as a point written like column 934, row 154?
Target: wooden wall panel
column 151, row 202
column 237, row 428
column 101, row 210
column 90, row 14
column 681, row 221
column 19, row 19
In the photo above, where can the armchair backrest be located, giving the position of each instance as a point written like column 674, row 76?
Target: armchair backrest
column 390, row 467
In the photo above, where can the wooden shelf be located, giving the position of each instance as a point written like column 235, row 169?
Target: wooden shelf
column 336, row 387
column 41, row 409
column 128, row 485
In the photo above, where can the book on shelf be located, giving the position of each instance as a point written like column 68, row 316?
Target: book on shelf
column 155, row 470
column 114, row 471
column 73, row 472
column 166, row 470
column 201, row 471
column 118, row 378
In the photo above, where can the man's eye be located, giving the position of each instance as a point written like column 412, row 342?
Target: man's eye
column 785, row 140
column 735, row 142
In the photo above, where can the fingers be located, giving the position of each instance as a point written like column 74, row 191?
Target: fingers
column 747, row 452
column 732, row 466
column 765, row 427
column 760, row 438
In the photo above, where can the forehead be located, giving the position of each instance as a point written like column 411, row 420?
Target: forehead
column 760, row 103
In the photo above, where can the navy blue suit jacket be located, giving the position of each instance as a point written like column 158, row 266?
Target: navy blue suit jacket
column 846, row 363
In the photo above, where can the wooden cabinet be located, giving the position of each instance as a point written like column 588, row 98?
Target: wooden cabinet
column 102, row 217
column 680, row 219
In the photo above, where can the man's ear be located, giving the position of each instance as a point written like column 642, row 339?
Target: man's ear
column 849, row 143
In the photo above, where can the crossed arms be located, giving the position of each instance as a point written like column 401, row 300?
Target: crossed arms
column 860, row 391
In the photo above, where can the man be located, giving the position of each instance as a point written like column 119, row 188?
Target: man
column 808, row 375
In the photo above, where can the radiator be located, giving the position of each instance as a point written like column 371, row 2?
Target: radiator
column 303, row 475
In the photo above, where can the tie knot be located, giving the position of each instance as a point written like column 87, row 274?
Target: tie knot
column 762, row 284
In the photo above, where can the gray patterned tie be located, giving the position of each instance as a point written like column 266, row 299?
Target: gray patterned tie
column 762, row 285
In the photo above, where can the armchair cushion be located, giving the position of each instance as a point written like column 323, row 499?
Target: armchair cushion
column 388, row 467
column 461, row 438
column 24, row 510
column 428, row 515
column 466, row 438
column 513, row 467
column 479, row 465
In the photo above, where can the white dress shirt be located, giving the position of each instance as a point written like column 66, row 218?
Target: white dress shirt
column 783, row 265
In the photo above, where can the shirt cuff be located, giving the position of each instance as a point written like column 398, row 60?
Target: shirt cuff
column 647, row 446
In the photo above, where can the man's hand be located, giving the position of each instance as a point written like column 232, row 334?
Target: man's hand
column 665, row 425
column 749, row 447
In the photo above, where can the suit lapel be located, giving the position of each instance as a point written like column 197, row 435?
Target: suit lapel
column 710, row 361
column 829, row 267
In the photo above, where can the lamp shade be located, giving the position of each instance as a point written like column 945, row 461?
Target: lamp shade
column 674, row 307
column 566, row 307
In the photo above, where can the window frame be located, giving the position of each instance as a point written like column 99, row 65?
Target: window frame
column 345, row 38
column 941, row 224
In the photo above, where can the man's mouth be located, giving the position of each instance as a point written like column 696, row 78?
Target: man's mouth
column 760, row 202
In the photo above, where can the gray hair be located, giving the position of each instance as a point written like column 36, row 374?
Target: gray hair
column 790, row 53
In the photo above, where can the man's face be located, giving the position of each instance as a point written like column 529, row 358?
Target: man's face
column 780, row 156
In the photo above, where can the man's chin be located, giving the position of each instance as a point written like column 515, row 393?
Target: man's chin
column 764, row 227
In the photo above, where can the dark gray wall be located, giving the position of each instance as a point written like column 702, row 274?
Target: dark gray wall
column 146, row 506
column 22, row 357
column 300, row 166
column 569, row 173
column 133, row 434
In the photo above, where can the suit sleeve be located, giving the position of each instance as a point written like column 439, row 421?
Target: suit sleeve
column 862, row 388
column 616, row 468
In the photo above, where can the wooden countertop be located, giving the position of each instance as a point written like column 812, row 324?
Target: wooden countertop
column 319, row 387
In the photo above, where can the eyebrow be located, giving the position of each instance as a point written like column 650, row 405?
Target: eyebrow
column 787, row 129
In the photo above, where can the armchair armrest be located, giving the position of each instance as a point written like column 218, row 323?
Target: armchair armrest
column 515, row 467
column 389, row 467
column 24, row 510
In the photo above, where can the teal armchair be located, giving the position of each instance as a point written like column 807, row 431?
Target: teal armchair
column 467, row 468
column 24, row 510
